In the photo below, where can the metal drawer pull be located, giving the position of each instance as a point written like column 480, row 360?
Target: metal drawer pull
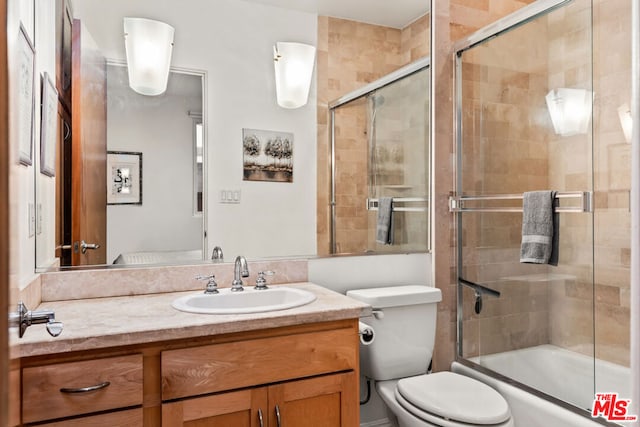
column 85, row 389
column 260, row 418
column 278, row 416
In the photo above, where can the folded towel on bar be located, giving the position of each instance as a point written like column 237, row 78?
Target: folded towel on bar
column 538, row 218
column 384, row 225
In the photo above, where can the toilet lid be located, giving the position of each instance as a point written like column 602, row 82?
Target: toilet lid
column 455, row 397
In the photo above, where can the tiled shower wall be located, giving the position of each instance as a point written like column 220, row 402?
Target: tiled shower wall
column 350, row 55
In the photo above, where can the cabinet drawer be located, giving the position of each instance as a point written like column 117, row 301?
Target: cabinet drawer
column 129, row 418
column 53, row 391
column 227, row 366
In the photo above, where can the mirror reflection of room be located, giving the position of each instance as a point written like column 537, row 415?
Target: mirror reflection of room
column 190, row 196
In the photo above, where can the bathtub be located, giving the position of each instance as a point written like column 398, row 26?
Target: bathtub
column 552, row 370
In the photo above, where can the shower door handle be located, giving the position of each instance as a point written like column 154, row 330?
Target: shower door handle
column 480, row 289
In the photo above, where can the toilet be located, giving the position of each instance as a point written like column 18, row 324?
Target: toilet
column 404, row 322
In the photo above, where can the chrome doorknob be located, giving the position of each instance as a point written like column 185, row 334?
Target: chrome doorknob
column 84, row 246
column 23, row 318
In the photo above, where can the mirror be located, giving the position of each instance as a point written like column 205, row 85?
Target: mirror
column 227, row 46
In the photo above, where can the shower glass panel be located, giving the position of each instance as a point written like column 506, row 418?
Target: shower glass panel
column 508, row 144
column 381, row 149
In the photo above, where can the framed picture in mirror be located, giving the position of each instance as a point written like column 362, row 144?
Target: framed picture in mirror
column 26, row 66
column 124, row 178
column 267, row 155
column 48, row 126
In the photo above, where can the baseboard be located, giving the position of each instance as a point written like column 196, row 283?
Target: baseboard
column 378, row 423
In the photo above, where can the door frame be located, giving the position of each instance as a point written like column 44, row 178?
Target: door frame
column 4, row 218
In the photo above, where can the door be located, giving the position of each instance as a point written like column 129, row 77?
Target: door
column 63, row 187
column 89, row 150
column 244, row 408
column 326, row 401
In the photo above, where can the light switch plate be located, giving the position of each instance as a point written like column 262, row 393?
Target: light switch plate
column 230, row 196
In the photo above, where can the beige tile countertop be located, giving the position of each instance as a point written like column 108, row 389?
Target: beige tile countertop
column 116, row 321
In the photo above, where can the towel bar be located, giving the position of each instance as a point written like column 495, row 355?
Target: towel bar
column 372, row 204
column 456, row 203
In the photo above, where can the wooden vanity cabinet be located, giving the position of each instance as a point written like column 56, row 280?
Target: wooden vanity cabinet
column 308, row 377
column 307, row 373
column 325, row 401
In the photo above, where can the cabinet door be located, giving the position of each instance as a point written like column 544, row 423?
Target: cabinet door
column 328, row 401
column 243, row 408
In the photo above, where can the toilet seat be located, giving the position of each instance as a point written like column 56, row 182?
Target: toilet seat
column 449, row 400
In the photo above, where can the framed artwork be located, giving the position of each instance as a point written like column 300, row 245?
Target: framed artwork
column 48, row 126
column 26, row 67
column 124, row 178
column 267, row 155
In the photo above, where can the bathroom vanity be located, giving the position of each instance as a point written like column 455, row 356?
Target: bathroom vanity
column 136, row 361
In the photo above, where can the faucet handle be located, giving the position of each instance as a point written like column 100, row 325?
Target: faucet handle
column 261, row 282
column 212, row 286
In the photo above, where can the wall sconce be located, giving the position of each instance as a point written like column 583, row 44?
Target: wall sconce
column 294, row 67
column 570, row 110
column 148, row 44
column 624, row 112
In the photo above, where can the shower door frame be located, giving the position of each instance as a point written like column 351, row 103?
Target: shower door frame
column 509, row 22
column 395, row 76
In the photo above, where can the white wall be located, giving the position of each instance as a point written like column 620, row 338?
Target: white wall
column 23, row 178
column 231, row 40
column 160, row 128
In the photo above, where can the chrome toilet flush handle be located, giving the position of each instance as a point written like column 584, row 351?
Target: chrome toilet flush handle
column 23, row 318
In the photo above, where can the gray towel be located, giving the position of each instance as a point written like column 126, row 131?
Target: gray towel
column 538, row 228
column 384, row 226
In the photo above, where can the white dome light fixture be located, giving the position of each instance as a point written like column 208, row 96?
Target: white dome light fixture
column 570, row 110
column 149, row 45
column 294, row 67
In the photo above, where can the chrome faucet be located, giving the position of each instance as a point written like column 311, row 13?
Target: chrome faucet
column 217, row 254
column 240, row 270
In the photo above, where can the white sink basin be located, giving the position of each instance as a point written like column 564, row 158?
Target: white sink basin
column 247, row 301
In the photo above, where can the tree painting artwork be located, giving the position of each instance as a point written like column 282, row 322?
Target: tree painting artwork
column 267, row 155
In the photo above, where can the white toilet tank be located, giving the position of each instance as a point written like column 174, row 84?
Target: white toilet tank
column 404, row 324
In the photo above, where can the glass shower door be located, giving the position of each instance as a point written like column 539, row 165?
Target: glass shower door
column 381, row 149
column 515, row 137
